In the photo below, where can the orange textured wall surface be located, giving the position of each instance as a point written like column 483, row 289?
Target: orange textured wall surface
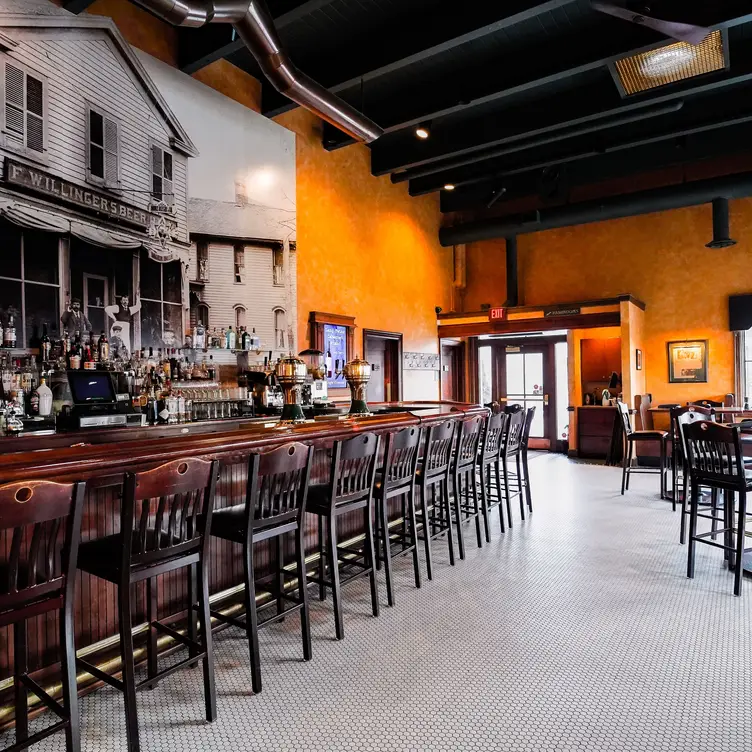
column 660, row 259
column 367, row 249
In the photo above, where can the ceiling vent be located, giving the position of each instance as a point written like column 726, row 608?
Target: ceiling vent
column 670, row 64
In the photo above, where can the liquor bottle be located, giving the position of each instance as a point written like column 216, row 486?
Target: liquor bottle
column 104, row 348
column 211, row 371
column 93, row 351
column 255, row 341
column 74, row 353
column 66, row 343
column 151, row 407
column 41, row 400
column 231, row 339
column 199, row 337
column 9, row 333
column 150, row 364
column 46, row 345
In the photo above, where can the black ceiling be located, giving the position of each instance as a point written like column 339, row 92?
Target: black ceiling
column 519, row 94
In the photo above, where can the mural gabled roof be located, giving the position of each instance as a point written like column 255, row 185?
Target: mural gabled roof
column 45, row 15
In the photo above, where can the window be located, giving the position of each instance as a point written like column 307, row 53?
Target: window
column 278, row 268
column 161, row 175
column 202, row 260
column 202, row 315
column 24, row 109
column 161, row 303
column 103, row 165
column 280, row 328
column 29, row 283
column 239, row 264
column 240, row 316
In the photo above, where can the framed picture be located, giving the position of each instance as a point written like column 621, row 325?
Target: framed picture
column 638, row 359
column 688, row 362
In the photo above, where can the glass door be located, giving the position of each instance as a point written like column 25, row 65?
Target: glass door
column 524, row 384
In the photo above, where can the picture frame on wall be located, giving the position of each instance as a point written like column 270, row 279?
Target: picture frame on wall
column 688, row 362
column 638, row 359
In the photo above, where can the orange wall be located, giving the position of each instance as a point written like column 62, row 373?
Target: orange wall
column 658, row 258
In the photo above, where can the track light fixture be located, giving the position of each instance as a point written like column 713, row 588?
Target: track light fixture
column 423, row 130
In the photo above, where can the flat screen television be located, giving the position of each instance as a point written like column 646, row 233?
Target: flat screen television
column 91, row 388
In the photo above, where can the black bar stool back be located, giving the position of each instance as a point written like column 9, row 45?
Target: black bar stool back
column 164, row 523
column 37, row 576
column 350, row 487
column 276, row 493
column 433, row 475
column 465, row 480
column 510, row 450
column 397, row 479
column 522, row 462
column 489, row 467
column 716, row 461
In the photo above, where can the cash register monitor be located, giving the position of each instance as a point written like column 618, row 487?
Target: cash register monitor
column 91, row 388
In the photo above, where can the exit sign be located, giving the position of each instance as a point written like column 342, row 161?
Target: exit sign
column 496, row 314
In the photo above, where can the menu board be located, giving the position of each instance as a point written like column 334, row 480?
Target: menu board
column 335, row 345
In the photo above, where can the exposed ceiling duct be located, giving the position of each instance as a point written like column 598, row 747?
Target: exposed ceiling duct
column 254, row 25
column 614, row 207
column 721, row 232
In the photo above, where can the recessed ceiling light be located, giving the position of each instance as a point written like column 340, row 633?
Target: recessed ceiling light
column 423, row 131
column 449, row 187
column 671, row 63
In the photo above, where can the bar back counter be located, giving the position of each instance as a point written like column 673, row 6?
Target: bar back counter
column 101, row 457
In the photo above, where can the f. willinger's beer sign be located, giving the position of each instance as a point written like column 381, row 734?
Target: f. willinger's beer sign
column 48, row 185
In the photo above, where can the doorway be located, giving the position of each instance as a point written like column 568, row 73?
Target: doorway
column 96, row 298
column 529, row 372
column 452, row 363
column 383, row 350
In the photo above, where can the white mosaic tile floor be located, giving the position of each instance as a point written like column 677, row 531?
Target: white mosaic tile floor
column 576, row 630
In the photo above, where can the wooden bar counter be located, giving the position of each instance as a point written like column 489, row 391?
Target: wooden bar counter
column 100, row 457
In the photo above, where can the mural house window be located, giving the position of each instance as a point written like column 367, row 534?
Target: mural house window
column 278, row 266
column 240, row 316
column 30, row 283
column 238, row 257
column 103, row 155
column 202, row 262
column 280, row 328
column 202, row 314
column 161, row 175
column 25, row 107
column 161, row 303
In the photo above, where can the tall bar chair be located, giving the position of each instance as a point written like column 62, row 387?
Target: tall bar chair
column 165, row 519
column 510, row 450
column 37, row 576
column 397, row 480
column 433, row 475
column 631, row 439
column 350, row 488
column 523, row 470
column 489, row 468
column 274, row 507
column 716, row 461
column 467, row 500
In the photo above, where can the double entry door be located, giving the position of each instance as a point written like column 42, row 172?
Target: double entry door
column 522, row 372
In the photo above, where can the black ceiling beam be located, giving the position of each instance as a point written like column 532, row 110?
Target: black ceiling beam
column 414, row 39
column 77, row 6
column 200, row 47
column 464, row 141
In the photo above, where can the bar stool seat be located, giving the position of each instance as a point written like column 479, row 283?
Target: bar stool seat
column 319, row 500
column 653, row 434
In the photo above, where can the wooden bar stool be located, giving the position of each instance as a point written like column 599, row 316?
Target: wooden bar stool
column 632, row 438
column 490, row 469
column 433, row 474
column 511, row 446
column 37, row 576
column 465, row 481
column 164, row 521
column 274, row 507
column 397, row 479
column 350, row 487
column 716, row 461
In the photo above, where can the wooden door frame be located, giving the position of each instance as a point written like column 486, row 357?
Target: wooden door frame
column 393, row 368
column 459, row 348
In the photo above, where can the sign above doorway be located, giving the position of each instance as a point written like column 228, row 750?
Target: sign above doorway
column 497, row 314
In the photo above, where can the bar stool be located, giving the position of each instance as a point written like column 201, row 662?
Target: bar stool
column 274, row 506
column 510, row 449
column 465, row 480
column 716, row 461
column 632, row 438
column 32, row 583
column 164, row 522
column 397, row 479
column 489, row 467
column 433, row 474
column 523, row 470
column 350, row 488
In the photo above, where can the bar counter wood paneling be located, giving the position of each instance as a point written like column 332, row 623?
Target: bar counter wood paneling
column 102, row 457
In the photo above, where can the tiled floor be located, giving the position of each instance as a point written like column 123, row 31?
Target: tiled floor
column 576, row 630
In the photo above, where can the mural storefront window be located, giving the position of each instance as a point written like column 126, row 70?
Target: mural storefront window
column 161, row 306
column 29, row 283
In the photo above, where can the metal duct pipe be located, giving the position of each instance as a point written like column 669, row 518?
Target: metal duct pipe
column 513, row 295
column 254, row 25
column 721, row 232
column 613, row 207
